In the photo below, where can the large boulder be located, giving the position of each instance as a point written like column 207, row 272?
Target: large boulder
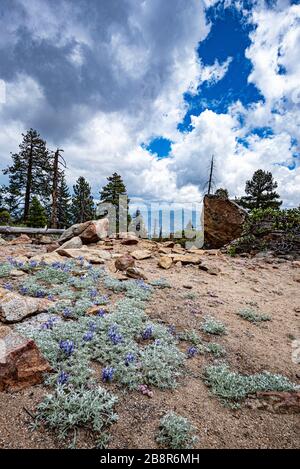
column 223, row 221
column 74, row 230
column 73, row 243
column 97, row 230
column 15, row 307
column 21, row 363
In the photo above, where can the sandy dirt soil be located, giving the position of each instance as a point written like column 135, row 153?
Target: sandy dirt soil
column 270, row 284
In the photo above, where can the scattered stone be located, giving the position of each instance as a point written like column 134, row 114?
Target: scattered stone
column 3, row 242
column 94, row 256
column 223, row 221
column 73, row 243
column 296, row 278
column 44, row 239
column 124, row 262
column 178, row 250
column 52, row 247
column 126, row 234
column 130, row 240
column 21, row 363
column 74, row 230
column 168, row 244
column 97, row 230
column 188, row 286
column 276, row 401
column 133, row 272
column 15, row 307
column 186, row 259
column 164, row 250
column 48, row 258
column 22, row 239
column 141, row 254
column 165, row 262
column 212, row 270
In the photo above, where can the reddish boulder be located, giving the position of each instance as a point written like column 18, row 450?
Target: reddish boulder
column 223, row 221
column 21, row 363
column 22, row 239
column 124, row 262
column 98, row 229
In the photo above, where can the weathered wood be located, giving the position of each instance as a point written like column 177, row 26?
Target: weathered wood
column 26, row 230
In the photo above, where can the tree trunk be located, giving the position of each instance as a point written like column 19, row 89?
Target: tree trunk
column 28, row 184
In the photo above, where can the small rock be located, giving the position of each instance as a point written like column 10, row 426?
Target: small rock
column 141, row 254
column 22, row 239
column 94, row 256
column 17, row 273
column 165, row 262
column 168, row 244
column 3, row 242
column 124, row 262
column 188, row 286
column 45, row 240
column 210, row 269
column 186, row 259
column 52, row 247
column 133, row 272
column 296, row 278
column 74, row 230
column 130, row 240
column 21, row 363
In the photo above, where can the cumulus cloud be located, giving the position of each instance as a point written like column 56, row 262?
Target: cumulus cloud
column 100, row 78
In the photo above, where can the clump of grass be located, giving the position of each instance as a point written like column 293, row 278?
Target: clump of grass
column 213, row 326
column 176, row 432
column 65, row 411
column 252, row 316
column 229, row 385
column 190, row 296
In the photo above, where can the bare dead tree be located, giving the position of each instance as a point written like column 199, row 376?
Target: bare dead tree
column 57, row 161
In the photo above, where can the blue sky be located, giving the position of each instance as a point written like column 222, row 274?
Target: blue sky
column 151, row 89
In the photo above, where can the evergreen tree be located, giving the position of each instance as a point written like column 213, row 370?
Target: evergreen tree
column 64, row 213
column 29, row 175
column 37, row 215
column 82, row 207
column 111, row 193
column 261, row 193
column 222, row 193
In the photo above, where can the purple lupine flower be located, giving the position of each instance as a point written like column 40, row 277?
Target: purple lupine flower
column 191, row 352
column 88, row 336
column 93, row 293
column 157, row 342
column 67, row 346
column 92, row 326
column 130, row 358
column 147, row 333
column 8, row 286
column 114, row 335
column 50, row 297
column 40, row 294
column 101, row 312
column 66, row 313
column 107, row 374
column 23, row 290
column 103, row 299
column 32, row 264
column 140, row 283
column 62, row 378
column 49, row 323
column 172, row 329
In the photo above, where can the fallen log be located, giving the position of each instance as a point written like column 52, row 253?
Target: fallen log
column 26, row 230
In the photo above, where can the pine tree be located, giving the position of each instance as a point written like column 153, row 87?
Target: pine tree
column 261, row 193
column 222, row 193
column 111, row 193
column 29, row 175
column 82, row 207
column 37, row 215
column 64, row 213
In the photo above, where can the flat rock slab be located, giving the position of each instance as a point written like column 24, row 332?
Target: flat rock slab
column 186, row 259
column 95, row 256
column 141, row 254
column 165, row 262
column 21, row 363
column 15, row 307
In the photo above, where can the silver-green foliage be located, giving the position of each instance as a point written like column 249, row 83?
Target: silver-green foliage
column 213, row 326
column 252, row 316
column 176, row 432
column 230, row 385
column 65, row 410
